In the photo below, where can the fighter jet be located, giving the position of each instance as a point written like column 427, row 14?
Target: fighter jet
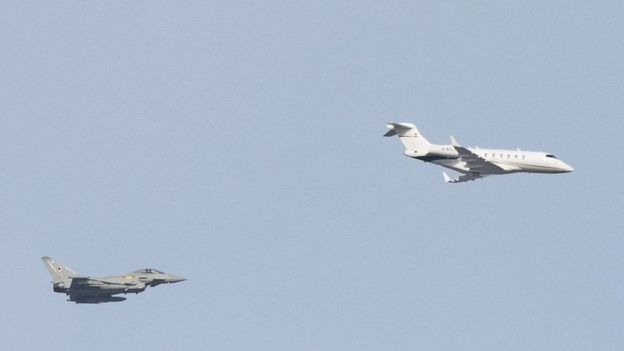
column 474, row 163
column 83, row 289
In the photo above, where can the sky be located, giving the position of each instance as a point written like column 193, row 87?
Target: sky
column 239, row 145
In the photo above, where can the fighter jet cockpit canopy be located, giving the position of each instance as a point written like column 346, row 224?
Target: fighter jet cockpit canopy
column 148, row 270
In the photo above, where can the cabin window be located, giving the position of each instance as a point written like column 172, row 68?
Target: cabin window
column 516, row 157
column 523, row 156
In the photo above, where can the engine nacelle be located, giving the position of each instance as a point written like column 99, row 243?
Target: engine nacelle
column 59, row 287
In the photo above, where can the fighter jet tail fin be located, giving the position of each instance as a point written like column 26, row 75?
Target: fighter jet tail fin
column 58, row 271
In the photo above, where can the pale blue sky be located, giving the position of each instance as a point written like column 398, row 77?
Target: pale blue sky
column 238, row 144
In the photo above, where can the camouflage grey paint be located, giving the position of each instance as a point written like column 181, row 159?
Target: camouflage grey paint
column 84, row 289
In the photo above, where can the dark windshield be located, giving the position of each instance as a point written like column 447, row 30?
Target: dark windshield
column 551, row 156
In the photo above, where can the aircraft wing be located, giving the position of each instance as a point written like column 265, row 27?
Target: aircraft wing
column 476, row 163
column 87, row 283
column 94, row 290
column 82, row 287
column 460, row 179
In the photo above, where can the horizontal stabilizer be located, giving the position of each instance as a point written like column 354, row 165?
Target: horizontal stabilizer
column 390, row 133
column 401, row 129
column 415, row 144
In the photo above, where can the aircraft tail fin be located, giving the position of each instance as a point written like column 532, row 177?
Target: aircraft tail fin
column 414, row 142
column 58, row 271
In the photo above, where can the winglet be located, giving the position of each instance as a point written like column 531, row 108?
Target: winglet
column 447, row 179
column 453, row 141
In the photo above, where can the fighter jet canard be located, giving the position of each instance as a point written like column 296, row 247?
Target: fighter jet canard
column 474, row 163
column 83, row 289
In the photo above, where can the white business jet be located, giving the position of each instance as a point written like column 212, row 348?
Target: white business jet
column 474, row 163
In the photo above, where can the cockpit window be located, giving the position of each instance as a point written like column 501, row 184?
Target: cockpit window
column 148, row 270
column 551, row 156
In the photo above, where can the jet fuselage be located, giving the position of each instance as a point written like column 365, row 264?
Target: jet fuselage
column 510, row 161
column 84, row 289
column 474, row 163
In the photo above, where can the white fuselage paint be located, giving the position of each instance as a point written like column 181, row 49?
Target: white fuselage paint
column 510, row 161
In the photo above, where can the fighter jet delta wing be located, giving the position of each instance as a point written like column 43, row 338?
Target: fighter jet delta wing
column 86, row 282
column 90, row 290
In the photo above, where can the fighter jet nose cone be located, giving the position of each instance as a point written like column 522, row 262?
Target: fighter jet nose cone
column 176, row 280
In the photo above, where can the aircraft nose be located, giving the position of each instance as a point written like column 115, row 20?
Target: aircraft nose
column 174, row 279
column 567, row 168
